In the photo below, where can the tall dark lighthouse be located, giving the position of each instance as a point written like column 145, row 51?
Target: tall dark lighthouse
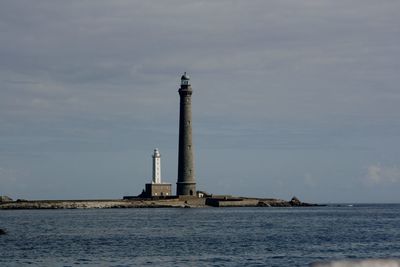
column 186, row 184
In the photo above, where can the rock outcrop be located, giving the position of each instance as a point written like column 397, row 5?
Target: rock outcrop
column 4, row 199
column 295, row 201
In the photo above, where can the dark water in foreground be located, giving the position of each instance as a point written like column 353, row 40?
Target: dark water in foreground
column 199, row 237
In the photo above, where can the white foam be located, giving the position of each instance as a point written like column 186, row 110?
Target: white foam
column 359, row 263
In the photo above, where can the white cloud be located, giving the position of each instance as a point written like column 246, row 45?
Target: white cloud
column 382, row 175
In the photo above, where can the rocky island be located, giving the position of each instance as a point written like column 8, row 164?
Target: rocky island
column 171, row 202
column 158, row 194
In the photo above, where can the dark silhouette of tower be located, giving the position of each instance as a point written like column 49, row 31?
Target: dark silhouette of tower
column 186, row 184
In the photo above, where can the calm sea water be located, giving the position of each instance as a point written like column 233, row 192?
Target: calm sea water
column 199, row 237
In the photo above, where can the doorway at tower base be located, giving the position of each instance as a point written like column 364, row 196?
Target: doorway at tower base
column 186, row 189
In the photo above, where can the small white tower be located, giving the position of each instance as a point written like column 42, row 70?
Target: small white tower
column 156, row 188
column 156, row 167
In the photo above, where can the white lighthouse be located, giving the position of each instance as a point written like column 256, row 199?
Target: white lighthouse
column 156, row 167
column 157, row 188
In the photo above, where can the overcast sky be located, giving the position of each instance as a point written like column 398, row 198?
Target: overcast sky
column 290, row 98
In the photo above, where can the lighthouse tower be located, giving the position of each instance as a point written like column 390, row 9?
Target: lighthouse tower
column 186, row 184
column 156, row 188
column 156, row 167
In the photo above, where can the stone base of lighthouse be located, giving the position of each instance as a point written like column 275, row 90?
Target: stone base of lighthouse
column 158, row 190
column 186, row 188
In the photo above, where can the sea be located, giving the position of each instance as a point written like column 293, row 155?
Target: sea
column 199, row 236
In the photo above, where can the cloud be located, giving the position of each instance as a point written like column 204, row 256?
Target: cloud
column 382, row 175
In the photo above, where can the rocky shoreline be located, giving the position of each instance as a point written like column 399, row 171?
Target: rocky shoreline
column 183, row 202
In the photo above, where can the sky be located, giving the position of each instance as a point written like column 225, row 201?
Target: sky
column 290, row 97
